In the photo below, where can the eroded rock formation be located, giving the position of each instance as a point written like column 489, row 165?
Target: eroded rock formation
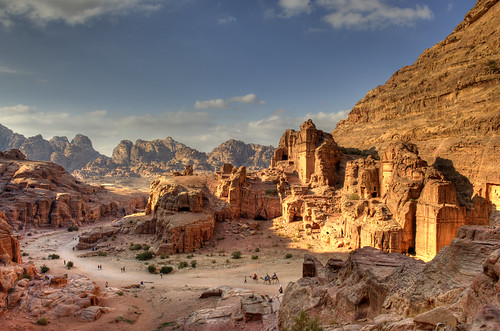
column 44, row 194
column 373, row 288
column 312, row 153
column 447, row 103
column 10, row 250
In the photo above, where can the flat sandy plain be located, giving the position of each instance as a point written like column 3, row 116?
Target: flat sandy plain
column 161, row 301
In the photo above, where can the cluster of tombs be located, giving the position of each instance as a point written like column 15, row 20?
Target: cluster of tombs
column 396, row 203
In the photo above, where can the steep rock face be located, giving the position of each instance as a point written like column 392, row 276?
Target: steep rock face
column 182, row 221
column 10, row 250
column 447, row 103
column 44, row 194
column 400, row 204
column 248, row 197
column 239, row 154
column 311, row 152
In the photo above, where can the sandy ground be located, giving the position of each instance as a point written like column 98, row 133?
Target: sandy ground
column 162, row 300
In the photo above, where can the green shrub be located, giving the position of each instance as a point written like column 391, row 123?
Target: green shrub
column 44, row 269
column 255, row 257
column 135, row 247
column 166, row 269
column 72, row 228
column 145, row 247
column 303, row 323
column 163, row 256
column 42, row 321
column 236, row 255
column 182, row 264
column 190, row 255
column 353, row 196
column 193, row 263
column 120, row 293
column 69, row 264
column 214, row 261
column 257, row 250
column 152, row 268
column 24, row 254
column 288, row 256
column 53, row 257
column 147, row 255
column 102, row 254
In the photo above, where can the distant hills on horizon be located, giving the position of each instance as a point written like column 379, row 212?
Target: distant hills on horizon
column 142, row 158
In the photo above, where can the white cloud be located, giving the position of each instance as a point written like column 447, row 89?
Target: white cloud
column 72, row 12
column 249, row 98
column 294, row 7
column 224, row 103
column 213, row 103
column 227, row 20
column 6, row 70
column 362, row 14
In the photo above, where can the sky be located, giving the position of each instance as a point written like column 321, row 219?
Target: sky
column 203, row 71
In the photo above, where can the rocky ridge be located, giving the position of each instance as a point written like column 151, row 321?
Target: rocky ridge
column 37, row 193
column 140, row 159
column 447, row 103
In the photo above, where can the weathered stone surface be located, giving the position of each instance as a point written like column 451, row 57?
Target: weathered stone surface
column 311, row 152
column 251, row 156
column 9, row 246
column 44, row 194
column 446, row 103
column 371, row 283
column 88, row 239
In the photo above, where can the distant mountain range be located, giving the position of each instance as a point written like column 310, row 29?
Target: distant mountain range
column 142, row 158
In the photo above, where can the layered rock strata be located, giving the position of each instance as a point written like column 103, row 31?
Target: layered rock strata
column 10, row 250
column 44, row 194
column 447, row 103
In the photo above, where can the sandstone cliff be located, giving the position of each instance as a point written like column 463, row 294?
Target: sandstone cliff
column 447, row 103
column 44, row 194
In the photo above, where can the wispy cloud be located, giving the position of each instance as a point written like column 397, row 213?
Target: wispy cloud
column 227, row 20
column 224, row 103
column 292, row 8
column 200, row 130
column 74, row 12
column 7, row 70
column 363, row 14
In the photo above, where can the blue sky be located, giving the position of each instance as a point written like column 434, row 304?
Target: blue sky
column 203, row 71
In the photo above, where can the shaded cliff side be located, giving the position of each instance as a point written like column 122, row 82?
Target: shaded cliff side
column 447, row 103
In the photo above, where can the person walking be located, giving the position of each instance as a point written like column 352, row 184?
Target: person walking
column 281, row 289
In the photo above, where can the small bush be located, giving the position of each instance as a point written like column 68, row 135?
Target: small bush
column 72, row 228
column 102, row 254
column 166, row 269
column 182, row 264
column 214, row 261
column 135, row 247
column 228, row 261
column 353, row 196
column 145, row 247
column 24, row 254
column 272, row 192
column 163, row 256
column 236, row 255
column 152, row 268
column 120, row 293
column 121, row 318
column 44, row 269
column 29, row 234
column 255, row 257
column 42, row 321
column 288, row 256
column 53, row 257
column 193, row 263
column 257, row 250
column 69, row 264
column 147, row 255
column 190, row 255
column 304, row 322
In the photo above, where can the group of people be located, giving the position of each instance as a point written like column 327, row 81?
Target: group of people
column 267, row 278
column 122, row 269
column 99, row 267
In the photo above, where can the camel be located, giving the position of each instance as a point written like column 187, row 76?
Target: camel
column 266, row 280
column 274, row 279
